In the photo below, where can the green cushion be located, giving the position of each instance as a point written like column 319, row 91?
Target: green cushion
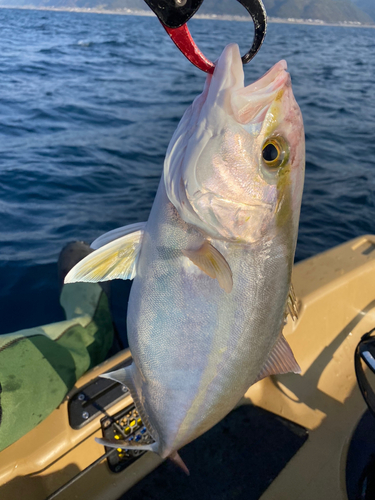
column 39, row 366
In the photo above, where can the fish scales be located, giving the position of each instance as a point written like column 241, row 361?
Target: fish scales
column 209, row 341
column 213, row 263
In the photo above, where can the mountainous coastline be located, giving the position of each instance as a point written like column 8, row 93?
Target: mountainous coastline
column 329, row 11
column 367, row 6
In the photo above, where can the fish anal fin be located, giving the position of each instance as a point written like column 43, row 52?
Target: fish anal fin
column 281, row 360
column 115, row 260
column 177, row 460
column 211, row 261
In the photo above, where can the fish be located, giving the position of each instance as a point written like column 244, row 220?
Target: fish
column 212, row 265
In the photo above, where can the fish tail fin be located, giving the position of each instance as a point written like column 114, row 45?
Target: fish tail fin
column 177, row 460
column 125, row 377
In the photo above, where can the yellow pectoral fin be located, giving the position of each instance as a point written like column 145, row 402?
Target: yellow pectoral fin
column 116, row 260
column 211, row 262
column 115, row 234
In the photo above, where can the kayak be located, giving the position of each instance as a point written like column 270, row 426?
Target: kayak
column 292, row 436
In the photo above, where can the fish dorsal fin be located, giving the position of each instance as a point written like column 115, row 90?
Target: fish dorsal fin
column 281, row 360
column 212, row 262
column 117, row 233
column 292, row 304
column 115, row 260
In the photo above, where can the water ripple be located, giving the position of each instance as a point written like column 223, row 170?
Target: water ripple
column 89, row 103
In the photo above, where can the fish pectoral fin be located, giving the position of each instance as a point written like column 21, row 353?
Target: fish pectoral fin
column 117, row 233
column 281, row 360
column 115, row 260
column 292, row 304
column 212, row 262
column 125, row 445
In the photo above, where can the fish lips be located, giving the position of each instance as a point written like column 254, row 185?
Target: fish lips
column 252, row 103
column 225, row 89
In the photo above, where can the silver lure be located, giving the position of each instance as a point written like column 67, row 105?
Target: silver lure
column 212, row 265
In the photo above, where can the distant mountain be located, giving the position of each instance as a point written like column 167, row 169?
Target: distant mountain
column 367, row 6
column 326, row 10
column 113, row 4
column 331, row 11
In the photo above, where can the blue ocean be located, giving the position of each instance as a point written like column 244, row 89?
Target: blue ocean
column 89, row 102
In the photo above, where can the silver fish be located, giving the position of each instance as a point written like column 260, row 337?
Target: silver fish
column 212, row 265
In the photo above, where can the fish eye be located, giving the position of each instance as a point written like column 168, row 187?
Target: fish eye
column 274, row 152
column 270, row 152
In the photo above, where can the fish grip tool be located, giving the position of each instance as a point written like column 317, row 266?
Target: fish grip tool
column 174, row 14
column 365, row 351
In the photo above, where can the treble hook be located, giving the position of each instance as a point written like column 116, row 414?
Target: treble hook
column 174, row 14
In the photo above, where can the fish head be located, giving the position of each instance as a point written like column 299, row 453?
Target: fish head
column 235, row 165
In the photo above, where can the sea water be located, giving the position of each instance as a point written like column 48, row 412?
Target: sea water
column 89, row 102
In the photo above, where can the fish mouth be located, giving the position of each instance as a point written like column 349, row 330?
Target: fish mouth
column 251, row 104
column 224, row 100
column 270, row 81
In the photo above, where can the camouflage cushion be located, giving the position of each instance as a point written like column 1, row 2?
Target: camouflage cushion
column 40, row 365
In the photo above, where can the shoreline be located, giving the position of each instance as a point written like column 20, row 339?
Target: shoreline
column 223, row 17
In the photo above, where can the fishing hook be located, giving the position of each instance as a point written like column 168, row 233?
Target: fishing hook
column 174, row 14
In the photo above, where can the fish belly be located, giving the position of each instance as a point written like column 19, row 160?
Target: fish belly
column 196, row 348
